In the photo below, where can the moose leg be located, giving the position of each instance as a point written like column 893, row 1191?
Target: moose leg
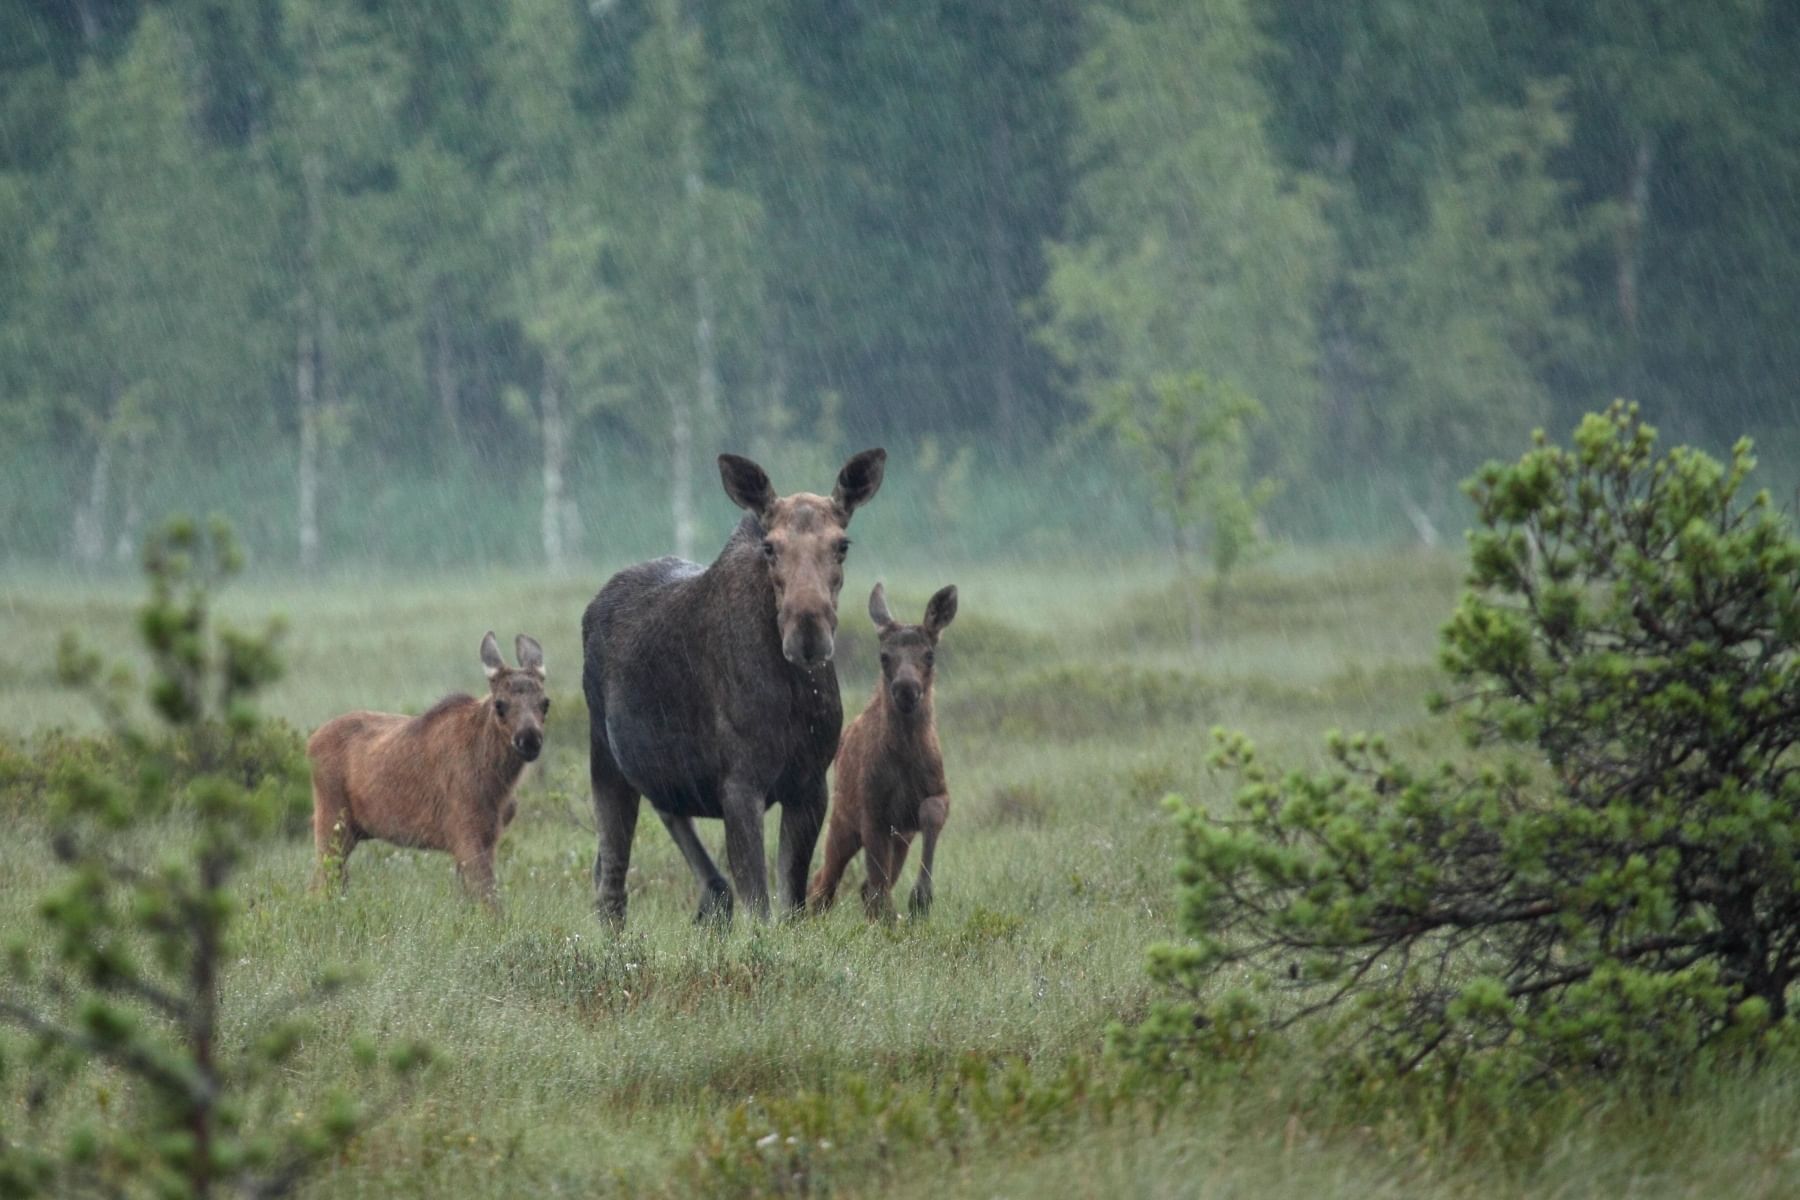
column 615, row 816
column 715, row 893
column 475, row 868
column 932, row 815
column 802, row 813
column 333, row 839
column 885, row 854
column 842, row 841
column 744, row 810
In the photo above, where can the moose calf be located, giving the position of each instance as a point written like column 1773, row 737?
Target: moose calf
column 440, row 781
column 890, row 772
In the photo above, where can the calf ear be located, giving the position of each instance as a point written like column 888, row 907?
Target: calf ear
column 860, row 479
column 529, row 654
column 490, row 655
column 941, row 610
column 747, row 484
column 878, row 608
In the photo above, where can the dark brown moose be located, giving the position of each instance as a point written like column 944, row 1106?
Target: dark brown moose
column 442, row 780
column 890, row 772
column 711, row 691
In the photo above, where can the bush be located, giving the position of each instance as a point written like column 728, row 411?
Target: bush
column 132, row 973
column 1612, row 882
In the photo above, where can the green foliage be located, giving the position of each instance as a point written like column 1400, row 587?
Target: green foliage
column 1612, row 885
column 1479, row 307
column 135, row 980
column 1191, row 249
column 1190, row 436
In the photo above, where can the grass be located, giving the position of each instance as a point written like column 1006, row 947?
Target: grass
column 580, row 1062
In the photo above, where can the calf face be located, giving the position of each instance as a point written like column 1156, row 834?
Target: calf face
column 518, row 693
column 909, row 652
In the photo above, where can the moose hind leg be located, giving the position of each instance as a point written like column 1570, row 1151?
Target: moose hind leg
column 842, row 841
column 715, row 893
column 615, row 817
column 333, row 839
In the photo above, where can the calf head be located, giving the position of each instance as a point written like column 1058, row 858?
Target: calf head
column 803, row 547
column 909, row 652
column 518, row 693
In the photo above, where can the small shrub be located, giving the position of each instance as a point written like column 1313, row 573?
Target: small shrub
column 134, row 979
column 1612, row 884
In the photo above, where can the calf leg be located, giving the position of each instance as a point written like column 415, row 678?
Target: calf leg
column 475, row 869
column 715, row 893
column 744, row 854
column 842, row 841
column 802, row 813
column 932, row 815
column 333, row 839
column 615, row 816
column 884, row 854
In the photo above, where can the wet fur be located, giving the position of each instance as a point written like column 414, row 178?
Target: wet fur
column 693, row 704
column 443, row 780
column 890, row 786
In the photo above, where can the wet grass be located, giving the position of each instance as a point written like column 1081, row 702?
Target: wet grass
column 1071, row 701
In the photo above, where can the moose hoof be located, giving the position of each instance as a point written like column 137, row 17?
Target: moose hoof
column 918, row 905
column 715, row 904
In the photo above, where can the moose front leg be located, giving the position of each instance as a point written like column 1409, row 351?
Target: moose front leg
column 932, row 815
column 743, row 810
column 475, row 868
column 802, row 815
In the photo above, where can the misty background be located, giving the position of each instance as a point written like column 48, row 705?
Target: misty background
column 441, row 283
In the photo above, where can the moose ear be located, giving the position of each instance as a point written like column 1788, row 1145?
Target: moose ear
column 529, row 654
column 490, row 655
column 746, row 483
column 878, row 608
column 860, row 479
column 941, row 611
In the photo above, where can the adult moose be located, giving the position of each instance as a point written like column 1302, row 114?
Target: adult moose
column 711, row 690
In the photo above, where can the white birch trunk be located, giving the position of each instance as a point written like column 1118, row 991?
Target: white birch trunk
column 550, row 420
column 88, row 538
column 681, row 471
column 131, row 486
column 306, row 363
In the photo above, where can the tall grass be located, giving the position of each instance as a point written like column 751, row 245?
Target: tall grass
column 584, row 1063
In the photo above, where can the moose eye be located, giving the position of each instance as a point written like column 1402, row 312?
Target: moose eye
column 930, row 658
column 544, row 707
column 887, row 660
column 768, row 550
column 842, row 549
column 500, row 708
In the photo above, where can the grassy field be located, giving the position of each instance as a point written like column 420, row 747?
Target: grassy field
column 1070, row 701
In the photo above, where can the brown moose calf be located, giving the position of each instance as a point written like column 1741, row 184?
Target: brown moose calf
column 442, row 780
column 890, row 772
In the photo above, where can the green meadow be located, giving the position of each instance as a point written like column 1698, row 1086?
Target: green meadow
column 831, row 1056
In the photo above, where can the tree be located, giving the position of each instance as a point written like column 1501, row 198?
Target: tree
column 1190, row 436
column 1191, row 248
column 683, row 247
column 1479, row 307
column 334, row 137
column 1613, row 883
column 137, row 304
column 136, row 978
